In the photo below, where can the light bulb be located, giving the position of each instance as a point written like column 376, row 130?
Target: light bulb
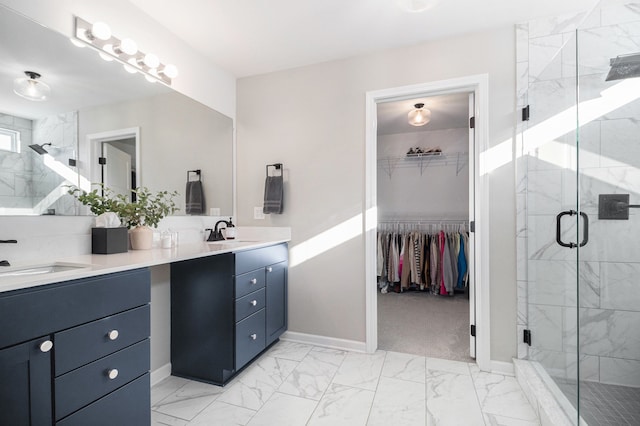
column 151, row 60
column 101, row 31
column 105, row 56
column 130, row 69
column 76, row 42
column 150, row 79
column 170, row 71
column 128, row 46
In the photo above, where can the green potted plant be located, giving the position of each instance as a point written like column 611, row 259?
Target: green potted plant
column 138, row 216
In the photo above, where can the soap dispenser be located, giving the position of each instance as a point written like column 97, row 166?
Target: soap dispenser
column 230, row 230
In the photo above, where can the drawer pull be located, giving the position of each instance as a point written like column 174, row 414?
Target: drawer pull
column 254, row 302
column 254, row 281
column 112, row 373
column 46, row 346
column 269, row 269
column 113, row 334
column 254, row 336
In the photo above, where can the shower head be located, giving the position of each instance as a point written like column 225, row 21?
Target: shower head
column 40, row 148
column 624, row 66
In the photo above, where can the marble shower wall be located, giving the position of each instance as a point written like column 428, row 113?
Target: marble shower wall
column 16, row 168
column 608, row 273
column 25, row 180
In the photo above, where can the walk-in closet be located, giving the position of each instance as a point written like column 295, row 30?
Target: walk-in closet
column 423, row 253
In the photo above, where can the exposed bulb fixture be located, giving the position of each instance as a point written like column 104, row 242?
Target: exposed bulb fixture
column 99, row 30
column 110, row 47
column 30, row 87
column 419, row 116
column 170, row 71
column 151, row 60
column 126, row 46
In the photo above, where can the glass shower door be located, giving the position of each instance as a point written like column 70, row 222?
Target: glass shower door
column 553, row 220
column 608, row 324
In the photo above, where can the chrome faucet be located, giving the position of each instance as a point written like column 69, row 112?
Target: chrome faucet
column 216, row 234
column 6, row 262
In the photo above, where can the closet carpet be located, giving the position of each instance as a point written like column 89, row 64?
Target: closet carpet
column 424, row 324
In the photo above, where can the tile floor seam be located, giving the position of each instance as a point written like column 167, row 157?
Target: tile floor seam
column 376, row 389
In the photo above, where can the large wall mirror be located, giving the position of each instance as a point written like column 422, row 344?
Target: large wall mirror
column 99, row 123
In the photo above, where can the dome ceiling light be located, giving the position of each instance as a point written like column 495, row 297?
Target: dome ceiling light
column 31, row 87
column 419, row 116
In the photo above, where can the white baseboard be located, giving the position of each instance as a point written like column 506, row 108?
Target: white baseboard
column 324, row 341
column 160, row 374
column 501, row 367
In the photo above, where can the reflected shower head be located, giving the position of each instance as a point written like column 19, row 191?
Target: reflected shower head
column 624, row 66
column 40, row 148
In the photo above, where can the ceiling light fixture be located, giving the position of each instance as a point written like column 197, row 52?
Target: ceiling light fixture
column 419, row 116
column 30, row 87
column 416, row 6
column 98, row 36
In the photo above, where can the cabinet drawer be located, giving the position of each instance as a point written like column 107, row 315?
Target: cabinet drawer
column 42, row 310
column 249, row 282
column 249, row 260
column 80, row 387
column 250, row 304
column 129, row 405
column 81, row 345
column 250, row 338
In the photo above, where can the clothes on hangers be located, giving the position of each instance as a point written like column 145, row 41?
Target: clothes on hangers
column 434, row 261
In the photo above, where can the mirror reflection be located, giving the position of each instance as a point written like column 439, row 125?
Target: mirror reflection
column 98, row 124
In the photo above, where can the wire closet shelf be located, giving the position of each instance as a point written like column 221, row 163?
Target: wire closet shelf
column 422, row 224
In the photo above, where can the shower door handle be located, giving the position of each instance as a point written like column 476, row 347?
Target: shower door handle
column 585, row 238
column 585, row 232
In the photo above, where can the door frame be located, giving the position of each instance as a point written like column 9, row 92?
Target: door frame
column 479, row 85
column 95, row 141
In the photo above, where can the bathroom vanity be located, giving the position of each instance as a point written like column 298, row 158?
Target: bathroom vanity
column 226, row 310
column 76, row 350
column 72, row 351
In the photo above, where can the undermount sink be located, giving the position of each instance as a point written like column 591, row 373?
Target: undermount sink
column 48, row 268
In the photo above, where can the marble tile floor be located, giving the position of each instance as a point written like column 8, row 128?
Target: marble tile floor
column 296, row 384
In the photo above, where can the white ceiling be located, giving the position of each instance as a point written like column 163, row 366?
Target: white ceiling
column 447, row 112
column 249, row 37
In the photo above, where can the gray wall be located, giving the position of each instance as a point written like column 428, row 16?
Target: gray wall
column 176, row 134
column 312, row 119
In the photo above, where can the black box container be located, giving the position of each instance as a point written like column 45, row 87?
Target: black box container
column 109, row 240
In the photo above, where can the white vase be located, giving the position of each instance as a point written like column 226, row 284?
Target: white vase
column 141, row 238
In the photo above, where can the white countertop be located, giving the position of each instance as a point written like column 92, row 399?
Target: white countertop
column 99, row 264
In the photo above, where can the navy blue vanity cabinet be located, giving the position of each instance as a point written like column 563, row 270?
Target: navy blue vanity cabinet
column 69, row 347
column 276, row 286
column 25, row 384
column 226, row 310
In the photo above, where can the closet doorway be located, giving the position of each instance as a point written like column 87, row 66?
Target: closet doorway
column 423, row 249
column 423, row 204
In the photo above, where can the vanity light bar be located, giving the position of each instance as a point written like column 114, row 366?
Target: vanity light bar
column 98, row 36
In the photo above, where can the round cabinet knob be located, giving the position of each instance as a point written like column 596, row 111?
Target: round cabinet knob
column 113, row 334
column 254, row 336
column 269, row 269
column 46, row 346
column 113, row 373
column 254, row 302
column 254, row 281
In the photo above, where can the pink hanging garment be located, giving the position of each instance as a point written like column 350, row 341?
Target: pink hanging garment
column 441, row 237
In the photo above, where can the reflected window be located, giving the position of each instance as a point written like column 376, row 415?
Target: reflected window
column 9, row 140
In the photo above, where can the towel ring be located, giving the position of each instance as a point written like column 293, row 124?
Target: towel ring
column 276, row 166
column 197, row 172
